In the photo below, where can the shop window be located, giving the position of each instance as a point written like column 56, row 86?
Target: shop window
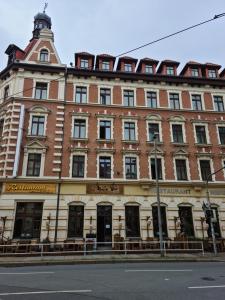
column 76, row 221
column 216, row 224
column 186, row 221
column 155, row 221
column 132, row 221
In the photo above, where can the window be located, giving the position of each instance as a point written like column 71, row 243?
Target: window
column 205, row 170
column 79, row 129
column 78, row 166
column 216, row 224
column 6, row 92
column 37, row 125
column 127, row 67
column 129, row 131
column 200, row 134
column 212, row 73
column 170, row 71
column 81, row 94
column 159, row 168
column 177, row 133
column 76, row 221
column 152, row 99
column 104, row 167
column 105, row 65
column 149, row 69
column 128, row 98
column 153, row 131
column 194, row 72
column 28, row 220
column 44, row 55
column 84, row 63
column 174, row 101
column 181, row 169
column 222, row 135
column 155, row 221
column 186, row 221
column 131, row 167
column 105, row 96
column 196, row 102
column 105, row 130
column 41, row 90
column 34, row 164
column 218, row 103
column 1, row 127
column 132, row 221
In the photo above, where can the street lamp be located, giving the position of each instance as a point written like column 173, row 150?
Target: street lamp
column 210, row 209
column 156, row 134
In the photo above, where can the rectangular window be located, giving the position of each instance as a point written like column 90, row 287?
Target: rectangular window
column 79, row 129
column 177, row 133
column 84, row 63
column 152, row 99
column 131, row 167
column 37, row 126
column 129, row 131
column 28, row 220
column 149, row 69
column 81, row 94
column 186, row 221
column 201, row 134
column 170, row 71
column 222, row 135
column 6, row 92
column 196, row 102
column 218, row 103
column 132, row 221
column 105, row 130
column 128, row 98
column 181, row 169
column 105, row 96
column 34, row 164
column 127, row 67
column 105, row 65
column 159, row 168
column 44, row 55
column 153, row 132
column 155, row 221
column 212, row 73
column 76, row 221
column 78, row 166
column 104, row 167
column 1, row 127
column 41, row 90
column 216, row 224
column 174, row 101
column 205, row 170
column 194, row 72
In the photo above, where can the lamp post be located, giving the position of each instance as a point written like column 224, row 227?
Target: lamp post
column 209, row 207
column 158, row 196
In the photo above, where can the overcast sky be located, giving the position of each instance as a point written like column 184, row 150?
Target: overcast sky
column 114, row 26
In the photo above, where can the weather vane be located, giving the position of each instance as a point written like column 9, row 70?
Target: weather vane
column 46, row 5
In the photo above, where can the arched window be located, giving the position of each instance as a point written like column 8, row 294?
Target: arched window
column 44, row 55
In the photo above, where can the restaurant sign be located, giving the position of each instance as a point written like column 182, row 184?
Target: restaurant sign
column 44, row 188
column 104, row 189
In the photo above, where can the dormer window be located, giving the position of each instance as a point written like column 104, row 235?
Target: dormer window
column 170, row 71
column 194, row 72
column 105, row 65
column 84, row 63
column 44, row 55
column 6, row 92
column 212, row 73
column 148, row 69
column 127, row 67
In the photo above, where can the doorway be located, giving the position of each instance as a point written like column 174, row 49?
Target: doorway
column 104, row 225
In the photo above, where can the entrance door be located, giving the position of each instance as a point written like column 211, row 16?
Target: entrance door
column 104, row 224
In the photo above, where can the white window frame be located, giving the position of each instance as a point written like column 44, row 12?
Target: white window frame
column 130, row 89
column 111, row 93
column 157, row 97
column 80, row 85
column 160, row 129
column 183, row 130
column 124, row 165
column 105, row 62
column 162, row 163
column 136, row 129
column 112, row 165
column 128, row 64
column 86, row 129
column 202, row 100
column 25, row 162
column 36, row 114
column 111, row 129
column 39, row 55
column 206, row 131
column 211, row 167
column 218, row 95
column 34, row 89
column 87, row 60
column 179, row 157
column 78, row 153
column 218, row 135
column 180, row 98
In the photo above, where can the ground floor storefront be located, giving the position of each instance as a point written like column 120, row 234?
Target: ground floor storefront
column 106, row 211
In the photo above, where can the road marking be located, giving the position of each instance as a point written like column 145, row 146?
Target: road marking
column 187, row 270
column 26, row 273
column 207, row 287
column 46, row 292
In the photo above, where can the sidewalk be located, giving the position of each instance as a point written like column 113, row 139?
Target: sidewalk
column 107, row 258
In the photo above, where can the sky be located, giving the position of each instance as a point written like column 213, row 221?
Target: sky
column 115, row 26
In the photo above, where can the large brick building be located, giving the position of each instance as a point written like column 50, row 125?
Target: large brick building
column 77, row 150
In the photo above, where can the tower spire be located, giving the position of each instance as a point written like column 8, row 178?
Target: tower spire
column 46, row 5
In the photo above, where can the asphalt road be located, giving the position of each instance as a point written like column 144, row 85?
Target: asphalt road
column 115, row 281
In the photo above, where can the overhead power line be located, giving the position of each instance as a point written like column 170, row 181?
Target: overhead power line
column 172, row 34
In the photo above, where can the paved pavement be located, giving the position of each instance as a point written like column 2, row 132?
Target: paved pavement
column 195, row 281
